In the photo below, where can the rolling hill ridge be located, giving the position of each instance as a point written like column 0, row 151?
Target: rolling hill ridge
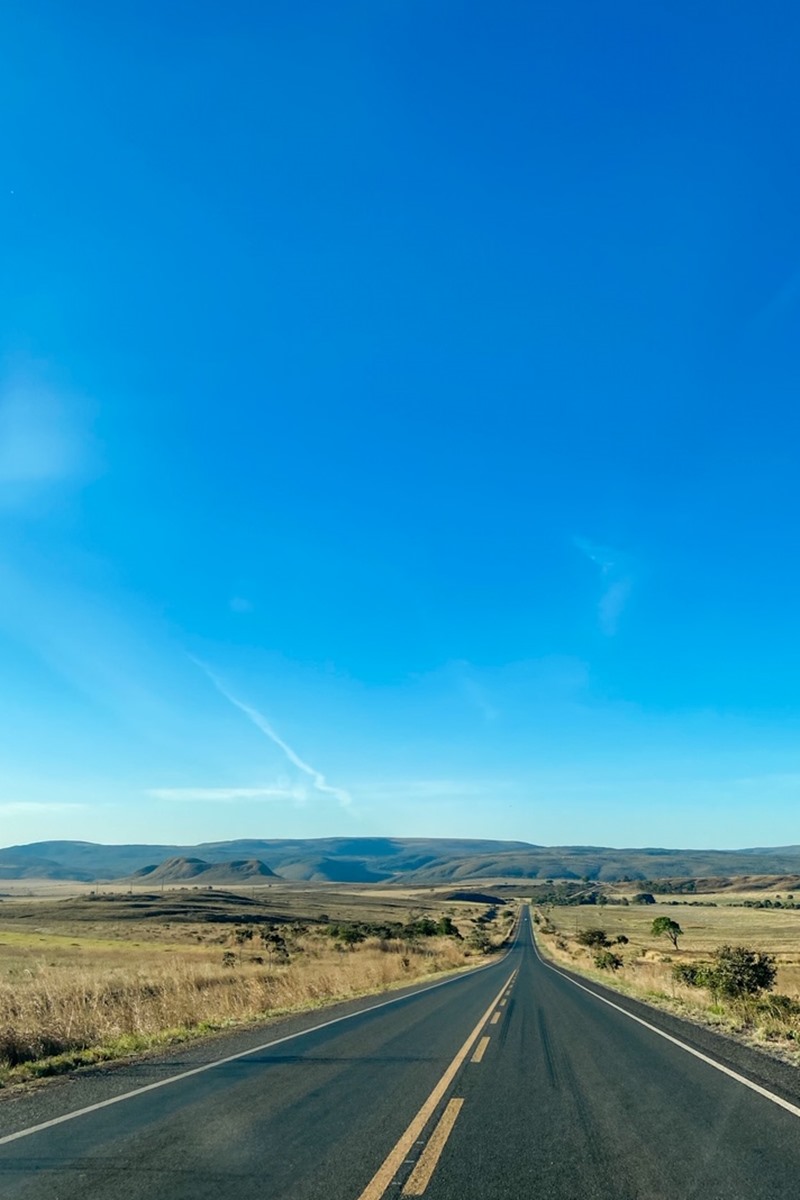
column 196, row 870
column 417, row 861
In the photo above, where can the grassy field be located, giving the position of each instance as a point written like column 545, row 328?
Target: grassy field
column 648, row 961
column 92, row 977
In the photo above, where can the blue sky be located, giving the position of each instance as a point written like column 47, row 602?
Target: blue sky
column 399, row 421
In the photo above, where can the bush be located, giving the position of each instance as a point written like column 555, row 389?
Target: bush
column 738, row 971
column 480, row 941
column 644, row 898
column 734, row 973
column 692, row 974
column 592, row 938
column 607, row 960
column 779, row 1006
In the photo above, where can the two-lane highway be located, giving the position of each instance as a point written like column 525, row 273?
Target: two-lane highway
column 516, row 1080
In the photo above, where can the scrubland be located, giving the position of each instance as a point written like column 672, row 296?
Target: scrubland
column 648, row 963
column 85, row 982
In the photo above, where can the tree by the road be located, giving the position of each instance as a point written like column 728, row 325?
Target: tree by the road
column 666, row 927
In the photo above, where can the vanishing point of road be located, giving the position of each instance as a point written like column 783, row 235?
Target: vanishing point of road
column 516, row 1081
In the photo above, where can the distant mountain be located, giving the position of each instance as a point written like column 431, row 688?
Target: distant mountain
column 417, row 861
column 196, row 870
column 335, row 860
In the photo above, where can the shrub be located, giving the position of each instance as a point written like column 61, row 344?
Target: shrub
column 779, row 1006
column 607, row 960
column 592, row 938
column 480, row 941
column 692, row 974
column 644, row 898
column 350, row 935
column 738, row 971
column 734, row 973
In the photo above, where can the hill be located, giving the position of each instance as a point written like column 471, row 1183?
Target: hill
column 335, row 860
column 417, row 861
column 196, row 870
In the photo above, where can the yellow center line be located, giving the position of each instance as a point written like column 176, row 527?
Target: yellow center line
column 395, row 1158
column 481, row 1050
column 495, row 1018
column 420, row 1177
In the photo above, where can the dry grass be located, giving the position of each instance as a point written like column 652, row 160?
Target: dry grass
column 99, row 990
column 648, row 961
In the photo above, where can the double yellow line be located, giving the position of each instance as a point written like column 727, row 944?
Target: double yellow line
column 426, row 1164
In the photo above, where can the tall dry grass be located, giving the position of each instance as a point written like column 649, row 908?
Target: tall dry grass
column 772, row 1018
column 57, row 1015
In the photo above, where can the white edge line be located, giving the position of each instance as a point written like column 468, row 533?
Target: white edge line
column 221, row 1062
column 711, row 1062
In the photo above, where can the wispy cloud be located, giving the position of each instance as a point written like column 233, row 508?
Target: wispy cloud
column 318, row 780
column 227, row 795
column 617, row 582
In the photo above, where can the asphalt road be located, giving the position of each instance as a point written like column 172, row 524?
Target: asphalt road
column 510, row 1082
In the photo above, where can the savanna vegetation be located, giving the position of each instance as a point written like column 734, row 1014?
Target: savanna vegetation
column 101, row 978
column 733, row 967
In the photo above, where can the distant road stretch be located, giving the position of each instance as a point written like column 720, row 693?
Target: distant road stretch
column 513, row 1082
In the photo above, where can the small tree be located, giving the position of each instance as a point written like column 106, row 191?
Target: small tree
column 666, row 927
column 644, row 898
column 275, row 943
column 243, row 934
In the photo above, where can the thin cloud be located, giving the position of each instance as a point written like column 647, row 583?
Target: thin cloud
column 318, row 780
column 617, row 582
column 227, row 795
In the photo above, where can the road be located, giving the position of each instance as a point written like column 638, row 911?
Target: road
column 515, row 1081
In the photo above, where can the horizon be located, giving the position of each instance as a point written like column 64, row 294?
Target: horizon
column 398, row 423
